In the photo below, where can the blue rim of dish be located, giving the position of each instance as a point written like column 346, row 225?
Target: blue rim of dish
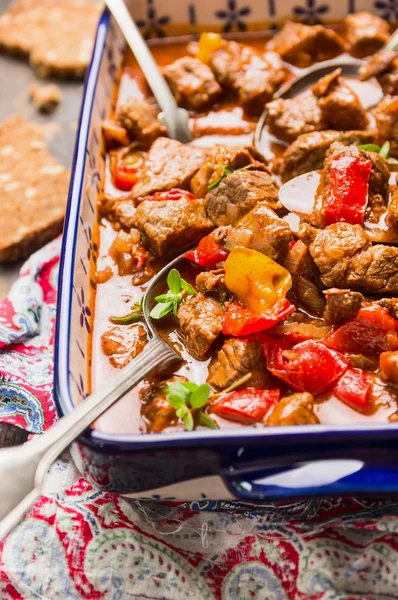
column 106, row 442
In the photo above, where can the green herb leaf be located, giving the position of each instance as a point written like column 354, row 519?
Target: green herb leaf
column 385, row 149
column 126, row 319
column 161, row 310
column 369, row 147
column 174, row 281
column 187, row 287
column 207, row 421
column 179, row 389
column 187, row 419
column 164, row 298
column 215, row 183
column 227, row 171
column 392, row 160
column 200, row 396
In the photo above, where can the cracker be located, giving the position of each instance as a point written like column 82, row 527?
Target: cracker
column 56, row 35
column 33, row 190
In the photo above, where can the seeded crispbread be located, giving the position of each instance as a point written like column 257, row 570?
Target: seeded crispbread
column 33, row 190
column 57, row 35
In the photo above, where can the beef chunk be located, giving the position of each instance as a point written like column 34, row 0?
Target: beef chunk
column 297, row 409
column 392, row 211
column 308, row 152
column 287, row 119
column 192, row 83
column 156, row 410
column 238, row 193
column 346, row 259
column 387, row 122
column 341, row 305
column 123, row 343
column 135, row 121
column 255, row 79
column 340, row 107
column 221, row 157
column 391, row 304
column 237, row 357
column 305, row 279
column 389, row 365
column 169, row 164
column 200, row 319
column 212, row 283
column 171, row 225
column 384, row 66
column 365, row 33
column 303, row 45
column 262, row 230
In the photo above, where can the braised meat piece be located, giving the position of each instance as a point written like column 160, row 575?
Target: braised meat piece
column 389, row 365
column 238, row 193
column 391, row 304
column 302, row 45
column 340, row 107
column 212, row 283
column 287, row 119
column 156, row 410
column 192, row 83
column 347, row 259
column 306, row 281
column 200, row 319
column 169, row 164
column 221, row 158
column 386, row 115
column 297, row 409
column 135, row 121
column 365, row 33
column 237, row 357
column 262, row 230
column 308, row 151
column 122, row 343
column 255, row 79
column 341, row 305
column 384, row 66
column 172, row 225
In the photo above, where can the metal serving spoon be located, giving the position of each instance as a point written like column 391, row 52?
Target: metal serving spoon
column 23, row 468
column 174, row 118
column 349, row 66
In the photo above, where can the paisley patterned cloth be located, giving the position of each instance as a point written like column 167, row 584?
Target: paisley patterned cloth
column 78, row 543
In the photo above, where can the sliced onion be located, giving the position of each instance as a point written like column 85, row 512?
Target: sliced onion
column 238, row 237
column 311, row 330
column 294, row 257
column 309, row 296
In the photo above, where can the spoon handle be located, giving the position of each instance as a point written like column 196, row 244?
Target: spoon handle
column 143, row 55
column 22, row 468
column 392, row 43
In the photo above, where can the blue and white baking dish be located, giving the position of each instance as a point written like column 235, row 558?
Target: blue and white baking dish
column 259, row 465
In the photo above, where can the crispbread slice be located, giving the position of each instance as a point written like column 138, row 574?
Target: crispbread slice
column 57, row 35
column 33, row 190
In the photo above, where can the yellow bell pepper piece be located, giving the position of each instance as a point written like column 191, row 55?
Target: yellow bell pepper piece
column 208, row 43
column 256, row 280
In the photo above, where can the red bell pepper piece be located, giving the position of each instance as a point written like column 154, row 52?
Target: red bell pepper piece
column 371, row 330
column 305, row 367
column 124, row 176
column 238, row 320
column 354, row 389
column 208, row 253
column 347, row 194
column 173, row 194
column 246, row 406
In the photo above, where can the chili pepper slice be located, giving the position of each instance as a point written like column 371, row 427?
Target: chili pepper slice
column 246, row 406
column 354, row 389
column 208, row 253
column 239, row 321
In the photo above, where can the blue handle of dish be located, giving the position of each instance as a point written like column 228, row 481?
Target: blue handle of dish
column 342, row 477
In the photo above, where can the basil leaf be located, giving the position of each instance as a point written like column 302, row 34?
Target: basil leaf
column 369, row 147
column 187, row 287
column 385, row 149
column 207, row 421
column 174, row 281
column 175, row 401
column 161, row 310
column 190, row 385
column 178, row 389
column 187, row 419
column 200, row 396
column 392, row 161
column 126, row 319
